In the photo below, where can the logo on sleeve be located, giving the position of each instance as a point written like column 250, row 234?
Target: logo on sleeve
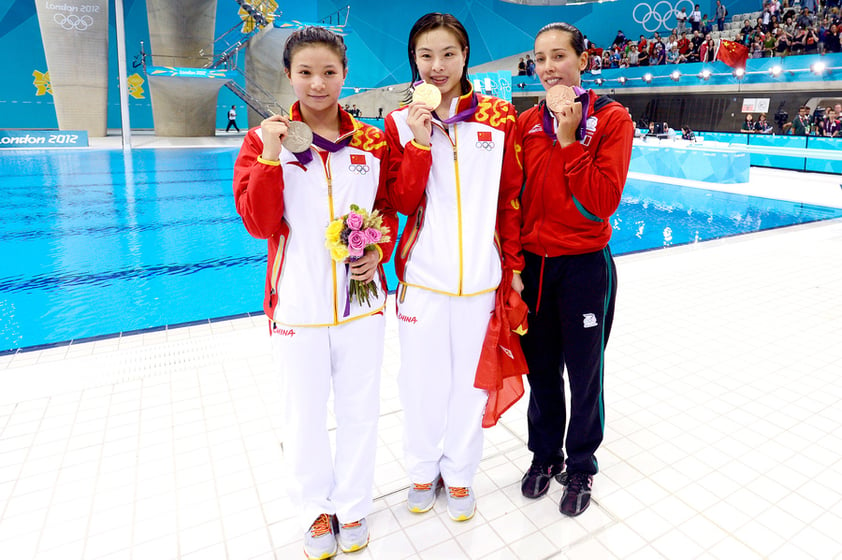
column 358, row 164
column 590, row 129
column 484, row 141
column 589, row 320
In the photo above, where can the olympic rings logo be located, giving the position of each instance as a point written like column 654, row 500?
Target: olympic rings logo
column 487, row 146
column 662, row 14
column 359, row 169
column 73, row 22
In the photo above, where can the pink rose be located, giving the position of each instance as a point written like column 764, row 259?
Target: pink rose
column 372, row 236
column 356, row 243
column 354, row 221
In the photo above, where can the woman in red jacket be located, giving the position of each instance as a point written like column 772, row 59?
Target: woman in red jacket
column 576, row 161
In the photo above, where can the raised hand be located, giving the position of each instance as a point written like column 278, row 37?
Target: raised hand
column 273, row 129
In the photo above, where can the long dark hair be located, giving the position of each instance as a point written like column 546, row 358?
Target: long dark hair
column 438, row 20
column 576, row 37
column 310, row 35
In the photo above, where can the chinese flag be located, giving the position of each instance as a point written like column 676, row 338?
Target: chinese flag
column 484, row 136
column 732, row 53
column 358, row 159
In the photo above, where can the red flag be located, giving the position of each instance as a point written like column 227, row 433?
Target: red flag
column 732, row 53
column 358, row 159
column 502, row 364
column 484, row 136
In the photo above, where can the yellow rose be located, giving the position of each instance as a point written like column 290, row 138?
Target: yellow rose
column 339, row 253
column 334, row 230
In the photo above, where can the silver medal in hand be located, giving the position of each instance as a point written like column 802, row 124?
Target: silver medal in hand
column 298, row 137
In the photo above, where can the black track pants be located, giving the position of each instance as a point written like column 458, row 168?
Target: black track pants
column 568, row 329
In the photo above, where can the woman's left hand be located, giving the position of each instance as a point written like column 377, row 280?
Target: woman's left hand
column 517, row 283
column 569, row 117
column 363, row 269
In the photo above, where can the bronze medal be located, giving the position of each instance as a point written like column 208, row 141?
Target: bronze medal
column 560, row 96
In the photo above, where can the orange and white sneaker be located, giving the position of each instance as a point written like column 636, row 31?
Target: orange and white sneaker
column 320, row 539
column 461, row 503
column 353, row 536
column 422, row 497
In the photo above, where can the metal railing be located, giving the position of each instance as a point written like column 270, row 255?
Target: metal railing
column 338, row 18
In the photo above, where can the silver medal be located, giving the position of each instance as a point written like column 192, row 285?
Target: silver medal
column 298, row 137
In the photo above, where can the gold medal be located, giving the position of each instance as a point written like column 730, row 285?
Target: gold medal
column 298, row 137
column 428, row 94
column 559, row 97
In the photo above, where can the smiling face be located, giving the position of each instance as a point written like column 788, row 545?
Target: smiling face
column 317, row 74
column 556, row 61
column 441, row 60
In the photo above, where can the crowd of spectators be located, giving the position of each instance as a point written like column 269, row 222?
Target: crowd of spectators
column 781, row 30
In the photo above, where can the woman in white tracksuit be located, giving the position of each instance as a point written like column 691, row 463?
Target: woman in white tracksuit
column 454, row 170
column 289, row 199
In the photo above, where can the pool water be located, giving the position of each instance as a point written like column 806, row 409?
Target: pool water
column 95, row 242
column 657, row 215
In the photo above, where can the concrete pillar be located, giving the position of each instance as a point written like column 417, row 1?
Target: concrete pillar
column 181, row 34
column 180, row 29
column 75, row 38
column 265, row 68
column 184, row 106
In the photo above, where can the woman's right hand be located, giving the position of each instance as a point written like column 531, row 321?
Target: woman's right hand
column 419, row 119
column 568, row 116
column 273, row 130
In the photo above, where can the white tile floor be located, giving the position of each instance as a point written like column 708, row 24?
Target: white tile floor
column 724, row 432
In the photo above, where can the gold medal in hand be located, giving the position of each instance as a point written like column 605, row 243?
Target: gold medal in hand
column 428, row 94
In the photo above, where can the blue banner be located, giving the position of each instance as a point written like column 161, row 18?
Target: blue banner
column 188, row 72
column 17, row 139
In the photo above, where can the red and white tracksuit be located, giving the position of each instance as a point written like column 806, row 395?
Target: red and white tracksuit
column 291, row 204
column 569, row 277
column 460, row 194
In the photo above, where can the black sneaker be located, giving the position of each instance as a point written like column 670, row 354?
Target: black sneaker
column 536, row 481
column 577, row 494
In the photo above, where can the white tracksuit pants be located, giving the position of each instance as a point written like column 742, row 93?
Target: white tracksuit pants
column 441, row 340
column 349, row 358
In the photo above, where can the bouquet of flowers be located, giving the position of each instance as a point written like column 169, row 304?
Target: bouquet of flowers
column 347, row 238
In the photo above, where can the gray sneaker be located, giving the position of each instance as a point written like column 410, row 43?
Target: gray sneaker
column 353, row 536
column 320, row 539
column 422, row 497
column 461, row 503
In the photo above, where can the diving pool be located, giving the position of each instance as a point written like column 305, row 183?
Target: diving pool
column 97, row 242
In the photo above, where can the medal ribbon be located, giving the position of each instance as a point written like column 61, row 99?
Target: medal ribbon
column 547, row 116
column 461, row 115
column 306, row 156
column 348, row 290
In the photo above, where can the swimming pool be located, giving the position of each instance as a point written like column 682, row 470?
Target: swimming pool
column 95, row 242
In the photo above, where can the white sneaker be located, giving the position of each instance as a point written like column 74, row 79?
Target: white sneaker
column 320, row 539
column 422, row 497
column 461, row 503
column 353, row 536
